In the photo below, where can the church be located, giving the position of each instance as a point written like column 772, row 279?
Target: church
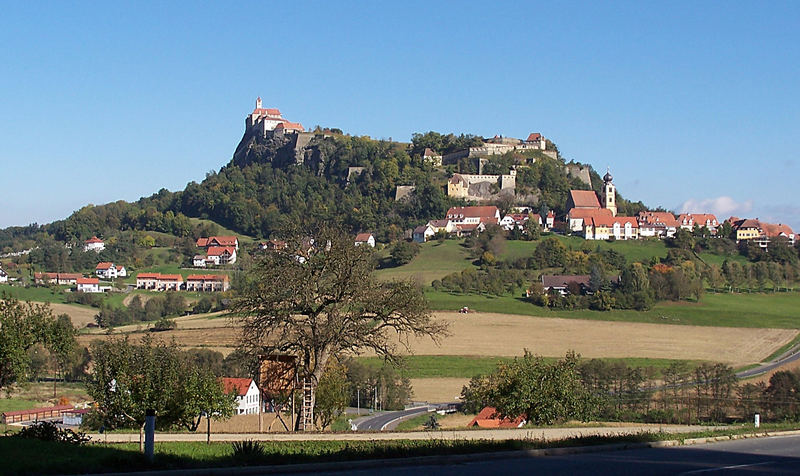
column 597, row 219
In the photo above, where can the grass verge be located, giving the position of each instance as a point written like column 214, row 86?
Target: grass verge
column 69, row 459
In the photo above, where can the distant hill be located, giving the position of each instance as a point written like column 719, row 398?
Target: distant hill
column 277, row 179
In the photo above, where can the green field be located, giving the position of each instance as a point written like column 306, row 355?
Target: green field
column 777, row 310
column 32, row 293
column 434, row 261
column 634, row 250
column 243, row 239
column 453, row 366
column 14, row 404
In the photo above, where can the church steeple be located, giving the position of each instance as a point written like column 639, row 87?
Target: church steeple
column 258, row 102
column 609, row 193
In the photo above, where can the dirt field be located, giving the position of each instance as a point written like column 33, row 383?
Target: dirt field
column 509, row 335
column 80, row 315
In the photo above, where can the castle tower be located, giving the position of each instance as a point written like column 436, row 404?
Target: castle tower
column 258, row 102
column 609, row 193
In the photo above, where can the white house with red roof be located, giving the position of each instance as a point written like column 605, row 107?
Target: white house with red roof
column 365, row 239
column 88, row 285
column 689, row 220
column 604, row 227
column 474, row 215
column 423, row 233
column 221, row 255
column 218, row 241
column 248, row 397
column 94, row 244
column 109, row 270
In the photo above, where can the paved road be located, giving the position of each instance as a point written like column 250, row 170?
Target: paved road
column 385, row 420
column 494, row 434
column 790, row 356
column 775, row 455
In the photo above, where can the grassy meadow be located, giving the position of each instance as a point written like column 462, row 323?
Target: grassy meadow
column 434, row 261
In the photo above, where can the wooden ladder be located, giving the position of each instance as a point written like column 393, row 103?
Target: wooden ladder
column 307, row 410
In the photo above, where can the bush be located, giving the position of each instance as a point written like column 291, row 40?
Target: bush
column 248, row 451
column 164, row 324
column 49, row 431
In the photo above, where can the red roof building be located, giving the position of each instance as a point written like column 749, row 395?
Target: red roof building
column 489, row 418
column 582, row 199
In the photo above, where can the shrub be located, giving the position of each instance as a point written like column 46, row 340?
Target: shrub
column 248, row 451
column 49, row 431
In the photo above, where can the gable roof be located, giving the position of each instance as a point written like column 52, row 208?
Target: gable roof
column 236, row 385
column 584, row 199
column 561, row 280
column 603, row 220
column 421, row 229
column 589, row 213
column 429, row 152
column 652, row 218
column 93, row 239
column 363, row 237
column 484, row 211
column 221, row 250
column 489, row 418
column 207, row 277
column 87, row 281
column 104, row 265
column 534, row 136
column 295, row 126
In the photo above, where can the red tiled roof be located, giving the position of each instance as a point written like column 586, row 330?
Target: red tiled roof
column 489, row 418
column 666, row 218
column 296, row 126
column 584, row 199
column 589, row 213
column 238, row 385
column 772, row 230
column 171, row 277
column 601, row 220
column 220, row 250
column 202, row 242
column 104, row 265
column 207, row 277
column 218, row 241
column 88, row 281
column 485, row 211
column 94, row 239
column 363, row 237
column 266, row 111
column 148, row 275
column 534, row 136
column 429, row 153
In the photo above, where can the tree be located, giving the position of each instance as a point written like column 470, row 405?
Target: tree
column 403, row 252
column 23, row 325
column 326, row 304
column 530, row 387
column 332, row 394
column 128, row 379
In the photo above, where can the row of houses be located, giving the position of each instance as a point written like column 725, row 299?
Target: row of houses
column 175, row 282
column 461, row 221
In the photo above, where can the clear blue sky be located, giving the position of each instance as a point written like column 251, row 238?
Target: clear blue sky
column 693, row 105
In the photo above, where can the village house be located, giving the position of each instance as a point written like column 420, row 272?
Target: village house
column 443, row 226
column 689, row 220
column 108, row 270
column 57, row 278
column 761, row 232
column 94, row 244
column 578, row 217
column 218, row 241
column 431, row 157
column 365, row 239
column 560, row 283
column 88, row 285
column 3, row 276
column 657, row 224
column 518, row 220
column 220, row 255
column 423, row 233
column 272, row 245
column 605, row 227
column 159, row 282
column 474, row 215
column 200, row 261
column 248, row 396
column 208, row 282
column 490, row 418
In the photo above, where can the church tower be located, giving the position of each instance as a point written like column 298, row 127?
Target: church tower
column 609, row 193
column 258, row 102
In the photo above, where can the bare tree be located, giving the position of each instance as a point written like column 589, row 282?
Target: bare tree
column 316, row 298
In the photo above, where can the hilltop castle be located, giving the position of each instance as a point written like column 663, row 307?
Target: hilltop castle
column 264, row 120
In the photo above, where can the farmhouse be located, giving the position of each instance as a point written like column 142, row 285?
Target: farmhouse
column 56, row 278
column 207, row 282
column 365, row 239
column 219, row 241
column 88, row 285
column 221, row 255
column 94, row 244
column 108, row 270
column 248, row 397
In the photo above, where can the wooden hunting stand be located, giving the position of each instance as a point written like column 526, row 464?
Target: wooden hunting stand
column 278, row 376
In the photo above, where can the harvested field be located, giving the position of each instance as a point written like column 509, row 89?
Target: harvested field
column 493, row 334
column 510, row 335
column 437, row 389
column 79, row 315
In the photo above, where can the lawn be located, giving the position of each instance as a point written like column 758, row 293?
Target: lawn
column 633, row 250
column 774, row 310
column 434, row 261
column 465, row 366
column 38, row 294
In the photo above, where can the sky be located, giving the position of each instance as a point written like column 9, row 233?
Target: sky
column 694, row 106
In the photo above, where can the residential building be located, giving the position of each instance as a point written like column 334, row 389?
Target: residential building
column 657, row 224
column 88, row 285
column 474, row 215
column 94, row 244
column 199, row 261
column 605, row 227
column 490, row 418
column 57, row 278
column 108, row 270
column 761, row 232
column 220, row 255
column 365, row 239
column 446, row 226
column 3, row 276
column 248, row 397
column 159, row 282
column 577, row 217
column 208, row 282
column 689, row 220
column 423, row 233
column 223, row 241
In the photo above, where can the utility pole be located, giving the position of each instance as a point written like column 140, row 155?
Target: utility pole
column 358, row 400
